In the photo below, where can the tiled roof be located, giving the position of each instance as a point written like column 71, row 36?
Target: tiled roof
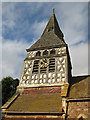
column 79, row 87
column 51, row 37
column 37, row 103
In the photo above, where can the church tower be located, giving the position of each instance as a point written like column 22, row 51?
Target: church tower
column 44, row 81
column 47, row 62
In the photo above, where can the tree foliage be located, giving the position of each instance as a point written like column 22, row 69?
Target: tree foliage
column 8, row 88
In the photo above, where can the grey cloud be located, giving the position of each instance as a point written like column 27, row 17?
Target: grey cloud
column 13, row 55
column 79, row 57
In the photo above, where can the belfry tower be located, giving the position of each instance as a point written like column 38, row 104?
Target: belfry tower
column 47, row 62
column 44, row 80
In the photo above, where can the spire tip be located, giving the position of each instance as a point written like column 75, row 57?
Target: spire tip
column 53, row 10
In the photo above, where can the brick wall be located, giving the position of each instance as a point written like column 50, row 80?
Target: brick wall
column 42, row 90
column 77, row 109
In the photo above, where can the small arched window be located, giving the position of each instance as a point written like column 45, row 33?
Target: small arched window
column 38, row 53
column 52, row 51
column 45, row 52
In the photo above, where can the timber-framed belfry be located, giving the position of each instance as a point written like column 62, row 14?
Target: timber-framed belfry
column 47, row 89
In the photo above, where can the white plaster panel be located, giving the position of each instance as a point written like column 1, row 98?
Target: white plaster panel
column 60, row 58
column 63, row 79
column 40, row 75
column 29, row 62
column 24, row 77
column 27, row 72
column 64, row 65
column 44, row 75
column 63, row 74
column 58, row 75
column 28, row 77
column 29, row 69
column 63, row 60
column 36, row 76
column 32, row 81
column 63, row 50
column 49, row 75
column 49, row 80
column 40, row 81
column 58, row 66
column 27, row 82
column 53, row 75
column 23, row 81
column 32, row 76
column 26, row 65
column 58, row 62
column 36, row 81
column 44, row 80
column 53, row 80
column 61, row 69
column 58, row 79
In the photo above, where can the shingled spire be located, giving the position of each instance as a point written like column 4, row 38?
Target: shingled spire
column 53, row 26
column 51, row 37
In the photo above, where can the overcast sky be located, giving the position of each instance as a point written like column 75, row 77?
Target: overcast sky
column 23, row 24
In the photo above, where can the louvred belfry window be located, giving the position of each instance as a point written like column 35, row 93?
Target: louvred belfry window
column 35, row 66
column 43, row 69
column 43, row 64
column 52, row 64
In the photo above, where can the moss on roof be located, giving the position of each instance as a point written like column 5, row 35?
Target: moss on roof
column 79, row 87
column 37, row 103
